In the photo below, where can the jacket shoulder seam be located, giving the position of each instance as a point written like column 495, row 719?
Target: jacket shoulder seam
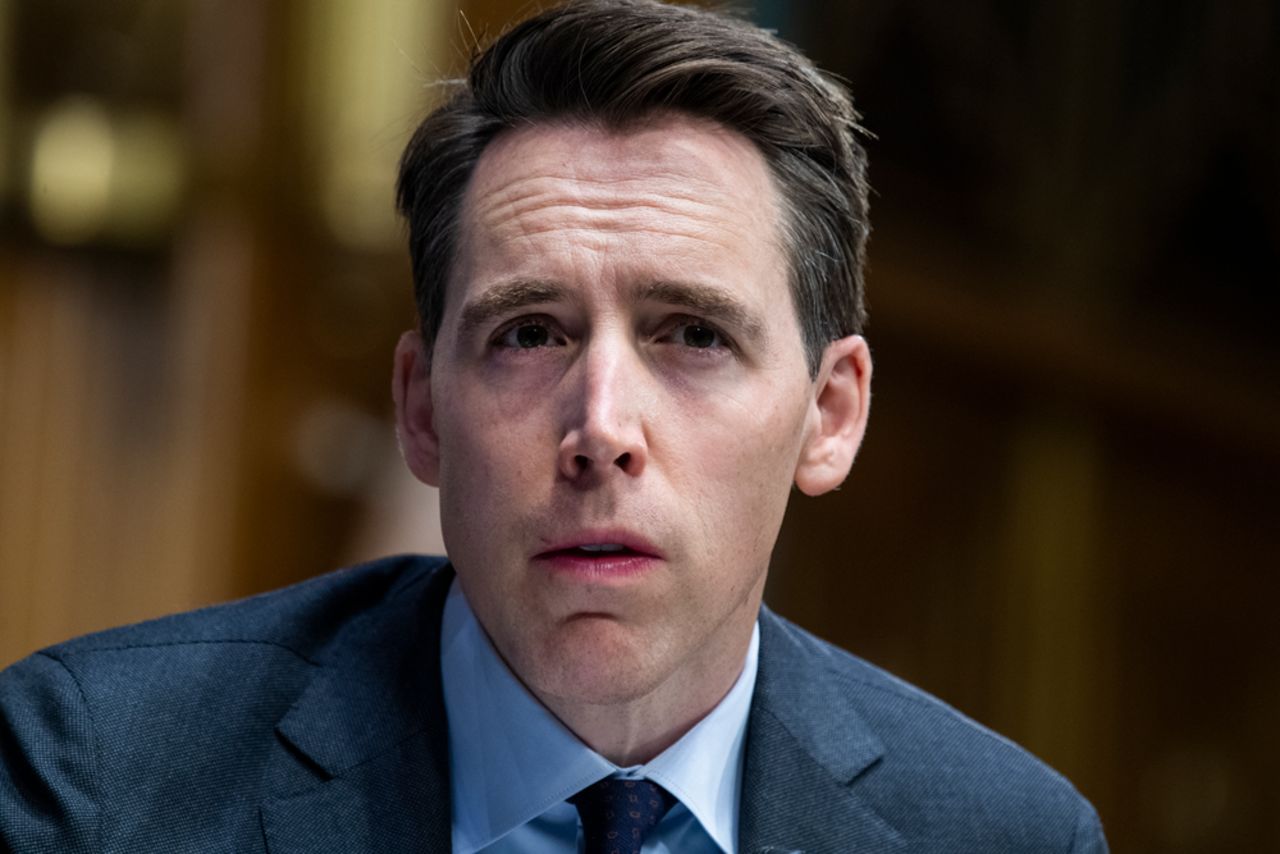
column 97, row 744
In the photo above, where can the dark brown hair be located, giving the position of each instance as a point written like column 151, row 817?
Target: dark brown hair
column 616, row 62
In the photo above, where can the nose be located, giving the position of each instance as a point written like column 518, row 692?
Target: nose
column 604, row 430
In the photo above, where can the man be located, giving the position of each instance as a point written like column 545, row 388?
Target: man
column 637, row 234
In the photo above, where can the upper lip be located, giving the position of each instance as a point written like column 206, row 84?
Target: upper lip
column 602, row 536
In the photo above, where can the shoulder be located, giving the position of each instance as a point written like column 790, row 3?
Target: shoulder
column 165, row 708
column 938, row 775
column 255, row 648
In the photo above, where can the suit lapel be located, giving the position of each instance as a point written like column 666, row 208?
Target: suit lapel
column 363, row 763
column 807, row 755
column 386, row 805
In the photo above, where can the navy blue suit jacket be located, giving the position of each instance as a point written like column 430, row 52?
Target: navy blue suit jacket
column 311, row 719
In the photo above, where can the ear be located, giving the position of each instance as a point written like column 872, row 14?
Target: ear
column 837, row 416
column 415, row 425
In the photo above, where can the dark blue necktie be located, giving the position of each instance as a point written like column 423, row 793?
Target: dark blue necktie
column 618, row 814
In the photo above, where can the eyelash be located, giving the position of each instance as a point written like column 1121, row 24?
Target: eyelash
column 541, row 322
column 681, row 321
column 668, row 331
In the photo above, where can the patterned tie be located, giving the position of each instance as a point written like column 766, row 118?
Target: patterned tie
column 618, row 814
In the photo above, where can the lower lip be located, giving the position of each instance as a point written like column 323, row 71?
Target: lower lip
column 598, row 567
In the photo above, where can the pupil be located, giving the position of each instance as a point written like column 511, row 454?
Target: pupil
column 699, row 336
column 531, row 336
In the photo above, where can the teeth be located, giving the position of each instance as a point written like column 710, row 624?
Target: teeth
column 602, row 547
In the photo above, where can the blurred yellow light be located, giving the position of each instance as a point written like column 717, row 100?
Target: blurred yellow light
column 96, row 175
column 71, row 164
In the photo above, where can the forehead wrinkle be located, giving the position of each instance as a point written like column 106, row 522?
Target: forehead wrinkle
column 588, row 188
column 669, row 193
column 588, row 237
column 500, row 208
column 687, row 220
column 611, row 158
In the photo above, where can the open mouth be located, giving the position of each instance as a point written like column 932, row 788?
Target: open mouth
column 602, row 549
column 601, row 554
column 596, row 550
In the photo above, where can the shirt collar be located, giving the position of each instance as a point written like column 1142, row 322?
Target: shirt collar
column 511, row 760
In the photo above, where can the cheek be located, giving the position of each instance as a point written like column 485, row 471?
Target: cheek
column 486, row 464
column 750, row 439
column 485, row 431
column 742, row 475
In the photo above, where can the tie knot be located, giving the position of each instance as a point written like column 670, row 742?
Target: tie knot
column 618, row 814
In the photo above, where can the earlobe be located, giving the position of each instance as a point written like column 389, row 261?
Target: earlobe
column 415, row 425
column 838, row 416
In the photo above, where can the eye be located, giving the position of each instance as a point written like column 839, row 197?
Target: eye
column 699, row 337
column 527, row 334
column 696, row 334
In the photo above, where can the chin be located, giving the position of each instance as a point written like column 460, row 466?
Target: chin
column 595, row 661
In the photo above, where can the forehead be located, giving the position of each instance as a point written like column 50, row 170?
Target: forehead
column 676, row 191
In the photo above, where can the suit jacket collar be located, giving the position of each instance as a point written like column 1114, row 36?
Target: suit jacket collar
column 363, row 762
column 808, row 753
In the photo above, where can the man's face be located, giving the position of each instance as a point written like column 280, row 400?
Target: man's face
column 616, row 405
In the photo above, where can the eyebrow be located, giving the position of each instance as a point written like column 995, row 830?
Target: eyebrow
column 702, row 300
column 506, row 297
column 705, row 301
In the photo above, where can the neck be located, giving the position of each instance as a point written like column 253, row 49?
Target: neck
column 635, row 732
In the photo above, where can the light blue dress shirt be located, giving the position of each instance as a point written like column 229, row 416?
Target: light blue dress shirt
column 513, row 763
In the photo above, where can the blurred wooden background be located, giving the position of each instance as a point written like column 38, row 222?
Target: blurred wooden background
column 1063, row 520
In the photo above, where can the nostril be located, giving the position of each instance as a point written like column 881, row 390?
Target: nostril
column 582, row 461
column 623, row 461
